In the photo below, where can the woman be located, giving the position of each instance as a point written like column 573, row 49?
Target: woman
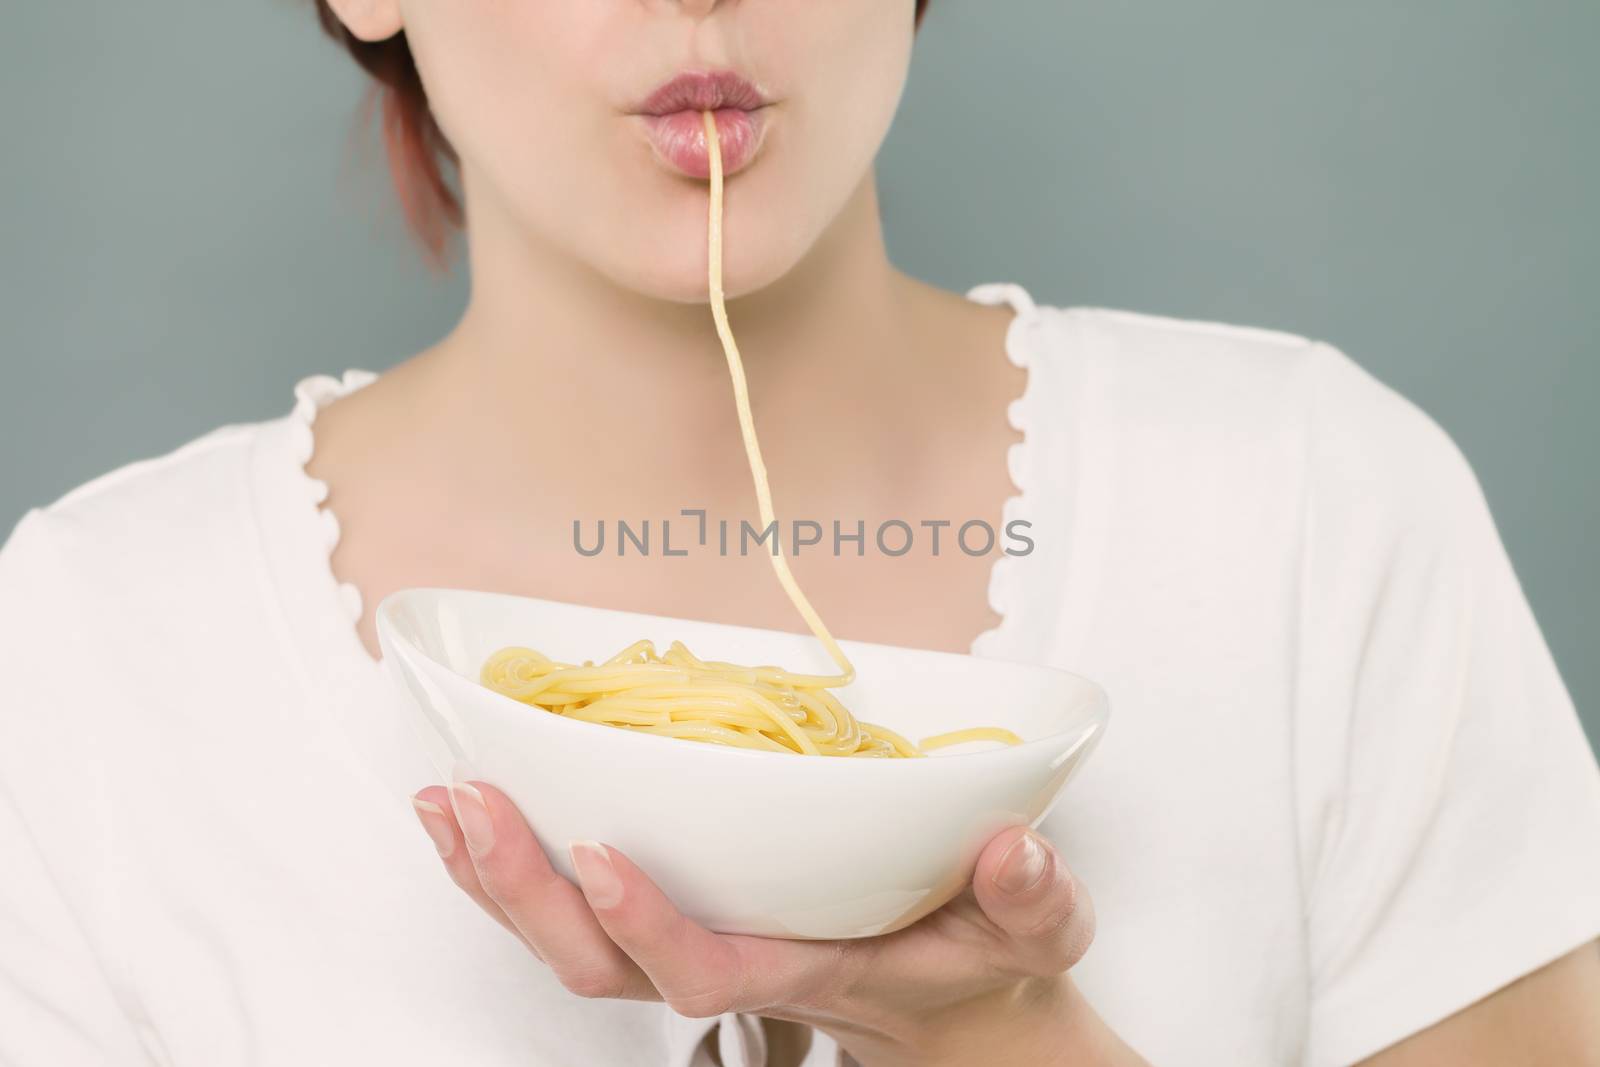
column 1345, row 813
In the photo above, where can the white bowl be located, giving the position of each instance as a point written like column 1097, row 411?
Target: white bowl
column 746, row 841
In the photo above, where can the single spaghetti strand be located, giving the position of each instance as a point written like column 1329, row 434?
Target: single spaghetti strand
column 747, row 425
column 976, row 733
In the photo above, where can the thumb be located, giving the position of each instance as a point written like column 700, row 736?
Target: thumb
column 1025, row 889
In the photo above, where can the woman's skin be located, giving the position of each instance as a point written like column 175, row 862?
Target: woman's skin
column 584, row 381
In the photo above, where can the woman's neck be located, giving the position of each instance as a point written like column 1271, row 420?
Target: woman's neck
column 552, row 351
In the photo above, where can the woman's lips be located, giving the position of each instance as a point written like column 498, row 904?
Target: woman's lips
column 673, row 124
column 680, row 139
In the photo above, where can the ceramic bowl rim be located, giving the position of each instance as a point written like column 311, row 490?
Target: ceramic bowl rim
column 1091, row 721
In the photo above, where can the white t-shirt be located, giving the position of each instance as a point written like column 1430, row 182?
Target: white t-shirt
column 1344, row 793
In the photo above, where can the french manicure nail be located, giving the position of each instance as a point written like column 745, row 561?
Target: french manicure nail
column 598, row 878
column 473, row 815
column 1022, row 865
column 433, row 820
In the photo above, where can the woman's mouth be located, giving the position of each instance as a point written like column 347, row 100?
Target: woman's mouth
column 671, row 118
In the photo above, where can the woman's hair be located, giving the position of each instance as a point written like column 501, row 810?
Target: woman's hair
column 417, row 149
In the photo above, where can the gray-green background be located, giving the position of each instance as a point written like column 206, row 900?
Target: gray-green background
column 184, row 231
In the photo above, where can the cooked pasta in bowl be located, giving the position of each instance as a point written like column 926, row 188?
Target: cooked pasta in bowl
column 762, row 791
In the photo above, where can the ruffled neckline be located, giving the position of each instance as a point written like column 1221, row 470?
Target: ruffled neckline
column 317, row 391
column 1004, row 571
column 311, row 395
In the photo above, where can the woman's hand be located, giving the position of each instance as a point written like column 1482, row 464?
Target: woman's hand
column 982, row 979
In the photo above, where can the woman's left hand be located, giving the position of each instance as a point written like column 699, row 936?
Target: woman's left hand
column 983, row 979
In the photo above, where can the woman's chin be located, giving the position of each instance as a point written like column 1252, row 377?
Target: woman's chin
column 687, row 280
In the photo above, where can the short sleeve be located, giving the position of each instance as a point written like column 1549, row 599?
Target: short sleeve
column 56, row 1005
column 1450, row 803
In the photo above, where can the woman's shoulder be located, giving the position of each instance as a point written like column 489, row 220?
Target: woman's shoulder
column 201, row 501
column 144, row 508
column 1140, row 426
column 1195, row 371
column 1141, row 341
column 162, row 533
column 1138, row 383
column 1210, row 389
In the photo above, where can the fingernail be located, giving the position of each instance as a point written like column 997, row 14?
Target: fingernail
column 1022, row 865
column 473, row 815
column 598, row 878
column 433, row 820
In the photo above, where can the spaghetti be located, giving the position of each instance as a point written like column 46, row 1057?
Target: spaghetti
column 676, row 694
